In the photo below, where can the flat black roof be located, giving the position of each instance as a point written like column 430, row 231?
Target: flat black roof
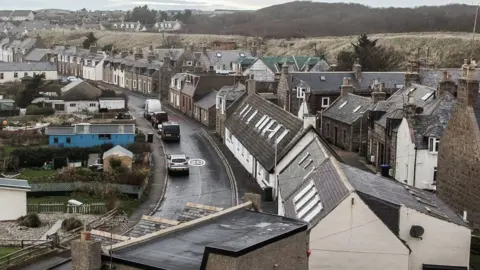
column 232, row 234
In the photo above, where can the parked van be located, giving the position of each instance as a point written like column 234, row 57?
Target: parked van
column 170, row 131
column 158, row 118
column 151, row 106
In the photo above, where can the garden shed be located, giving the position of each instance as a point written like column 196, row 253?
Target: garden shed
column 117, row 153
column 13, row 192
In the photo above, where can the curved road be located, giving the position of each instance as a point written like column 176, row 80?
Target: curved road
column 208, row 184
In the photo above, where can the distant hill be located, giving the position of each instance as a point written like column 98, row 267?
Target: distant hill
column 307, row 19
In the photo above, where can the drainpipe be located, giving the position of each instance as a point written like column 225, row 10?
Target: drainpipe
column 415, row 166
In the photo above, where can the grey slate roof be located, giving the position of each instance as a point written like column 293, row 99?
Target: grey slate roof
column 14, row 183
column 27, row 66
column 348, row 108
column 260, row 146
column 225, row 57
column 147, row 226
column 208, row 101
column 22, row 13
column 36, row 54
column 232, row 92
column 396, row 193
column 174, row 54
column 80, row 91
column 233, row 233
column 433, row 121
column 431, row 77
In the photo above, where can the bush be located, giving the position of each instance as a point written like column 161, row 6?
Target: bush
column 36, row 157
column 71, row 224
column 35, row 110
column 115, row 163
column 31, row 220
column 139, row 147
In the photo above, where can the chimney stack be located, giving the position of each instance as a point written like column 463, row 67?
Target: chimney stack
column 86, row 254
column 251, row 84
column 166, row 61
column 138, row 56
column 285, row 69
column 254, row 49
column 93, row 49
column 411, row 76
column 409, row 108
column 256, row 200
column 204, row 49
column 357, row 69
column 378, row 94
column 467, row 93
column 347, row 86
column 446, row 85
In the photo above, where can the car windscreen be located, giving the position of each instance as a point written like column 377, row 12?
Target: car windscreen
column 179, row 160
column 171, row 129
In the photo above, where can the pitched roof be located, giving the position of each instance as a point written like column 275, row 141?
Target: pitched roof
column 118, row 151
column 80, row 90
column 431, row 77
column 225, row 57
column 5, row 13
column 296, row 63
column 20, row 13
column 27, row 66
column 14, row 183
column 232, row 92
column 348, row 108
column 37, row 54
column 250, row 122
column 208, row 101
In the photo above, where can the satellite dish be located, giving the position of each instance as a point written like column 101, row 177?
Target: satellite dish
column 418, row 110
column 417, row 231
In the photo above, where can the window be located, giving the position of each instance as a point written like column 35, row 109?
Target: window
column 25, row 74
column 434, row 175
column 55, row 140
column 149, row 87
column 69, row 140
column 73, row 104
column 325, row 102
column 15, row 75
column 433, row 144
column 93, row 105
column 105, row 136
column 135, row 84
column 300, row 92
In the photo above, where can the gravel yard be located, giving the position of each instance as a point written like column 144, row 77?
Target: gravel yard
column 9, row 230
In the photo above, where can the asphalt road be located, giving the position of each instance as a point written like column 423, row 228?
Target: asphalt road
column 208, row 184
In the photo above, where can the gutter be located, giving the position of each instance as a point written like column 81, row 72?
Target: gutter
column 415, row 167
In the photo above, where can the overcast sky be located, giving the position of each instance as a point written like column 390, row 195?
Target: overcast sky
column 196, row 4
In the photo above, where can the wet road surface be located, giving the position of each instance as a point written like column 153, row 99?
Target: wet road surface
column 207, row 184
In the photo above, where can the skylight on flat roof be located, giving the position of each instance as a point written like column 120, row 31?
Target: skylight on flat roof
column 251, row 116
column 260, row 121
column 280, row 138
column 309, row 173
column 343, row 104
column 322, row 78
column 357, row 108
column 427, row 96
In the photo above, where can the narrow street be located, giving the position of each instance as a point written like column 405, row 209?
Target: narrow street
column 207, row 184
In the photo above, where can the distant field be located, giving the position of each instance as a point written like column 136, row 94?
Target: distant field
column 444, row 48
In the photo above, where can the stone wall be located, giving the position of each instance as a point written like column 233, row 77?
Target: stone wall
column 283, row 90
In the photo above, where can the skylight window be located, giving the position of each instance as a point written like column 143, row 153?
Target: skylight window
column 260, row 121
column 267, row 127
column 322, row 78
column 309, row 173
column 242, row 54
column 427, row 96
column 307, row 203
column 343, row 104
column 280, row 138
column 245, row 114
column 244, row 109
column 277, row 128
column 308, row 164
column 264, row 123
column 357, row 108
column 411, row 90
column 436, row 213
column 251, row 116
column 304, row 158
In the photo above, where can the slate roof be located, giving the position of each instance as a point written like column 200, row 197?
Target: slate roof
column 118, row 151
column 296, row 63
column 256, row 141
column 148, row 225
column 232, row 92
column 5, row 13
column 26, row 66
column 348, row 108
column 36, row 54
column 393, row 106
column 80, row 90
column 432, row 122
column 431, row 77
column 208, row 101
column 174, row 54
column 14, row 183
column 20, row 13
column 234, row 233
column 225, row 57
column 193, row 211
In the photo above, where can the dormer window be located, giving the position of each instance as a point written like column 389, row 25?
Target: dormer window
column 433, row 145
column 301, row 92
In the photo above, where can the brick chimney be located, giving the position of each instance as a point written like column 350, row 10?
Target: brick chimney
column 409, row 108
column 251, row 84
column 411, row 76
column 86, row 254
column 93, row 49
column 378, row 94
column 446, row 85
column 285, row 69
column 467, row 93
column 347, row 86
column 254, row 49
column 166, row 61
column 357, row 69
column 204, row 49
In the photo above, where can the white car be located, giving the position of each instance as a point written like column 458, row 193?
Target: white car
column 178, row 163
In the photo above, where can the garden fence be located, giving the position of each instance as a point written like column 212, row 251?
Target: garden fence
column 92, row 208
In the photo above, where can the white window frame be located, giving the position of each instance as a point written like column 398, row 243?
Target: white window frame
column 134, row 84
column 325, row 104
column 433, row 145
column 301, row 92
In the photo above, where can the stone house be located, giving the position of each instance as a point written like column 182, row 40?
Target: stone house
column 175, row 87
column 117, row 153
column 226, row 104
column 221, row 61
column 204, row 110
column 320, row 89
column 173, row 62
column 269, row 68
column 344, row 122
column 458, row 181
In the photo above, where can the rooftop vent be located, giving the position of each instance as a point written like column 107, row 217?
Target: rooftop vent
column 219, row 55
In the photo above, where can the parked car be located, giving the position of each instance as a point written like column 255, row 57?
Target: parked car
column 158, row 118
column 178, row 163
column 170, row 131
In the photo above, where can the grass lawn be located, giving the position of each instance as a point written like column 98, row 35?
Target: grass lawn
column 8, row 149
column 36, row 175
column 4, row 251
column 128, row 205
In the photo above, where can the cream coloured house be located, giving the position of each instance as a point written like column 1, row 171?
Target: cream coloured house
column 13, row 192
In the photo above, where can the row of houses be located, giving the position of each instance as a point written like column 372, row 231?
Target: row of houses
column 17, row 15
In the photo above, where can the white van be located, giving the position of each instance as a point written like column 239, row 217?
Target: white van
column 151, row 106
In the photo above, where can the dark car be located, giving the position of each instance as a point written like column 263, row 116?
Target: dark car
column 158, row 118
column 170, row 131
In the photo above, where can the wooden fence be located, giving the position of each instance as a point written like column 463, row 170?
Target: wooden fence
column 25, row 254
column 92, row 208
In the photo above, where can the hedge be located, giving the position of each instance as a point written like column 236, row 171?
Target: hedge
column 35, row 110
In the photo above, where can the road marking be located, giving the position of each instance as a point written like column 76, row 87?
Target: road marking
column 196, row 162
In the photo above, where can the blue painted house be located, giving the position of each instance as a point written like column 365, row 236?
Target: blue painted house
column 88, row 135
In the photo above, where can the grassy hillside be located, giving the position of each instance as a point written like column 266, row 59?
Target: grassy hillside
column 444, row 49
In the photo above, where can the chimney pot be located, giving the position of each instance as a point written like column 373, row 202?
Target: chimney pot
column 256, row 200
